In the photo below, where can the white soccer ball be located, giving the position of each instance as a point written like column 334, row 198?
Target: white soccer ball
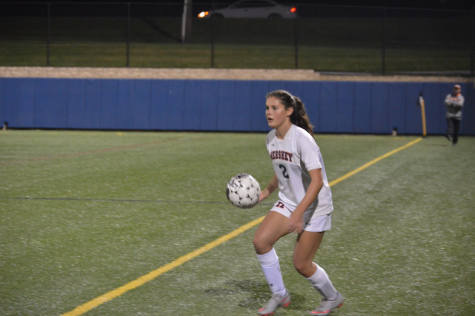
column 243, row 191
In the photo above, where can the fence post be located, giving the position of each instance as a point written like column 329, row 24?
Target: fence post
column 186, row 22
column 48, row 35
column 297, row 39
column 383, row 43
column 212, row 36
column 472, row 55
column 128, row 34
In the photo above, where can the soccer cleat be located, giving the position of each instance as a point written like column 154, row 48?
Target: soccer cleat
column 275, row 301
column 449, row 137
column 327, row 306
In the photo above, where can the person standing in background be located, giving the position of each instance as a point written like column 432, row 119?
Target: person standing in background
column 454, row 103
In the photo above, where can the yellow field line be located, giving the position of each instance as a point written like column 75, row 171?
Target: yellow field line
column 372, row 162
column 152, row 275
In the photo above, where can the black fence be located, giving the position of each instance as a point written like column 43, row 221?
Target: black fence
column 321, row 37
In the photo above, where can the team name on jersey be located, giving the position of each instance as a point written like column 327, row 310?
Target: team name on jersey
column 282, row 155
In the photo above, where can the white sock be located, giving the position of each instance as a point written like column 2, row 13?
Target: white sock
column 323, row 285
column 271, row 268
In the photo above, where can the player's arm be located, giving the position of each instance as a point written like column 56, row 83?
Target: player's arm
column 458, row 102
column 296, row 219
column 274, row 184
column 447, row 100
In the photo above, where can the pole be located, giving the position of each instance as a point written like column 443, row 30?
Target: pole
column 186, row 22
column 48, row 36
column 423, row 112
column 212, row 36
column 383, row 43
column 472, row 55
column 128, row 34
column 296, row 41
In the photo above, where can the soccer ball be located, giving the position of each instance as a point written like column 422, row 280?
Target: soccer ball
column 243, row 191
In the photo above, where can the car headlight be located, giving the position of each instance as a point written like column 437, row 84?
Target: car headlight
column 203, row 14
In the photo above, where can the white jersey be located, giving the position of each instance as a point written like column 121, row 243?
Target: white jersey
column 292, row 158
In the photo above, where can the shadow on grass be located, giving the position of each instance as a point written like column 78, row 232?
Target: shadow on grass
column 259, row 294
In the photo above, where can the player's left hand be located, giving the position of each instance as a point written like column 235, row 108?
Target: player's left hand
column 295, row 223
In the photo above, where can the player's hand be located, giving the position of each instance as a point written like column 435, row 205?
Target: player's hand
column 295, row 223
column 264, row 194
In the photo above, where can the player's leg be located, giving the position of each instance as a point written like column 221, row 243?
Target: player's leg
column 450, row 129
column 456, row 124
column 269, row 231
column 305, row 249
column 272, row 228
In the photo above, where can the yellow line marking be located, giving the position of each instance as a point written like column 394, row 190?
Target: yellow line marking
column 366, row 165
column 154, row 274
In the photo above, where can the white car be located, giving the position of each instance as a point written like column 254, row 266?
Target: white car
column 253, row 9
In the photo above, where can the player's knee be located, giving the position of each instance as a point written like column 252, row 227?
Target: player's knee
column 261, row 245
column 303, row 267
column 258, row 244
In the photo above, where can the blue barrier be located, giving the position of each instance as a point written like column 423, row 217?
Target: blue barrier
column 224, row 105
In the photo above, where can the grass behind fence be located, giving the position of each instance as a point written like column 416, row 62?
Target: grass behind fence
column 323, row 44
column 152, row 55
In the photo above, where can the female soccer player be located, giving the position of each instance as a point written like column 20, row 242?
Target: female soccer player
column 304, row 206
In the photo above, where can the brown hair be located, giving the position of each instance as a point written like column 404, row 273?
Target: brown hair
column 299, row 117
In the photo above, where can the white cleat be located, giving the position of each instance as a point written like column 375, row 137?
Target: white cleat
column 327, row 306
column 275, row 301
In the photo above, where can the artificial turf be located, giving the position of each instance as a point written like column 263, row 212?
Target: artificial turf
column 83, row 213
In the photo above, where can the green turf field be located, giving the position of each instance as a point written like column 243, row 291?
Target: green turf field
column 83, row 213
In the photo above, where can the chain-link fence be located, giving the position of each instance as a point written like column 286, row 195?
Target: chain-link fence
column 321, row 37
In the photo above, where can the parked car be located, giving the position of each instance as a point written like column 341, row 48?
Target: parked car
column 253, row 9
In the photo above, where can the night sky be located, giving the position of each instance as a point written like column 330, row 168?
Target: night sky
column 433, row 4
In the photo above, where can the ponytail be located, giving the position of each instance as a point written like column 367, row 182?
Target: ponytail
column 299, row 116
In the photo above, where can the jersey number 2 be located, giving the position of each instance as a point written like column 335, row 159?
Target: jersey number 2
column 284, row 171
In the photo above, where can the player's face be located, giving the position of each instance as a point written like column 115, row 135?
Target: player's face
column 276, row 113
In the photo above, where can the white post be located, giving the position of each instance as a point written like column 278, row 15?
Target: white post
column 186, row 22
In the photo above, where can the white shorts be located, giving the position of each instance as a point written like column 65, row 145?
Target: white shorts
column 316, row 224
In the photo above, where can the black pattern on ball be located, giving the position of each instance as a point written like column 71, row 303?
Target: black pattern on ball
column 243, row 191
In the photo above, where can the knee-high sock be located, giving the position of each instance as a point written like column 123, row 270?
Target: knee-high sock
column 323, row 285
column 271, row 268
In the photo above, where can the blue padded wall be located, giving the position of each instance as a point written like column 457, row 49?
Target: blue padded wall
column 109, row 104
column 141, row 104
column 209, row 105
column 125, row 110
column 363, row 107
column 224, row 105
column 468, row 119
column 242, row 106
column 345, row 105
column 310, row 95
column 380, row 108
column 397, row 106
column 259, row 90
column 92, row 104
column 226, row 108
